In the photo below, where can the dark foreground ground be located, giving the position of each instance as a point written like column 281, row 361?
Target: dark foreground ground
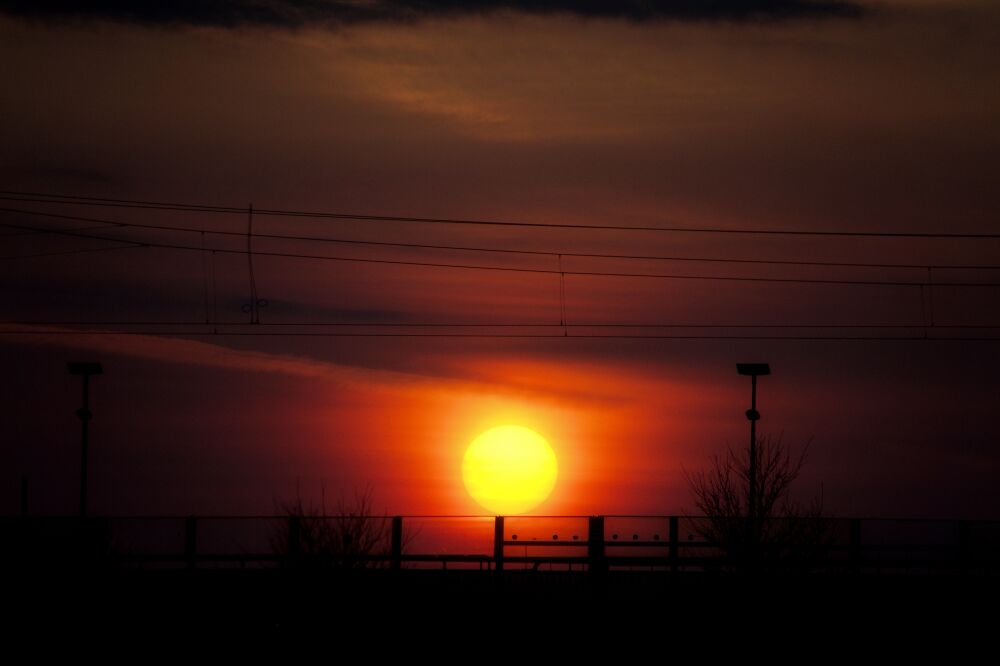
column 269, row 600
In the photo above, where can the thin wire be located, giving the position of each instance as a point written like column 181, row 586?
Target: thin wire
column 253, row 282
column 128, row 203
column 118, row 203
column 923, row 306
column 361, row 324
column 562, row 294
column 77, row 251
column 215, row 293
column 466, row 248
column 397, row 262
column 36, row 233
column 930, row 295
column 204, row 278
column 561, row 336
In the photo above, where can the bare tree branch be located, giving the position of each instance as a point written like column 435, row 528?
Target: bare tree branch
column 776, row 528
column 351, row 536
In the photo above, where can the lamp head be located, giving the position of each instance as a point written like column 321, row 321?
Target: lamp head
column 84, row 368
column 753, row 369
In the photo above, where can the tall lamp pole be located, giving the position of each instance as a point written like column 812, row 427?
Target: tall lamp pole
column 85, row 370
column 754, row 370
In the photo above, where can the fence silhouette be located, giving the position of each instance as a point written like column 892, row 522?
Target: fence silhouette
column 672, row 544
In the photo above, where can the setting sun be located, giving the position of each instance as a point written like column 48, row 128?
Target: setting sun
column 509, row 469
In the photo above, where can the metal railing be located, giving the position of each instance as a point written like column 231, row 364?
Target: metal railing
column 676, row 544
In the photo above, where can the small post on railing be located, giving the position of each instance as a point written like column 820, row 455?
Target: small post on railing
column 675, row 543
column 855, row 546
column 294, row 539
column 190, row 541
column 397, row 543
column 85, row 370
column 595, row 541
column 24, row 496
column 498, row 538
column 595, row 554
column 498, row 543
column 964, row 546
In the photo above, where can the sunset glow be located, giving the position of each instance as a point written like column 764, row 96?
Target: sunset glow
column 509, row 469
column 326, row 246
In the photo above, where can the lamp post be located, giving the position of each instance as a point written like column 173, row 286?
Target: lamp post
column 85, row 370
column 754, row 370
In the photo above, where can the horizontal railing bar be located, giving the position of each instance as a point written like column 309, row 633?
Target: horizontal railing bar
column 830, row 520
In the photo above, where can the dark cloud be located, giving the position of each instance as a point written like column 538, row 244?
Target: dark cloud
column 299, row 13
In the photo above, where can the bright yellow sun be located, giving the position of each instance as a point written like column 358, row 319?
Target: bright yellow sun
column 509, row 469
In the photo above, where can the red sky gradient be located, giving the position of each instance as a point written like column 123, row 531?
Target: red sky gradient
column 881, row 122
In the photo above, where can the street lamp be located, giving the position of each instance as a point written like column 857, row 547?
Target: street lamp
column 754, row 370
column 85, row 370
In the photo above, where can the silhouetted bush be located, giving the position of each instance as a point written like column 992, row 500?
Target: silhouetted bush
column 350, row 536
column 775, row 533
column 59, row 544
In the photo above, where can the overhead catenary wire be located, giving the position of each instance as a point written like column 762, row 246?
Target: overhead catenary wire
column 561, row 335
column 205, row 280
column 253, row 306
column 37, row 197
column 82, row 250
column 514, row 269
column 517, row 251
column 637, row 331
column 104, row 225
column 453, row 324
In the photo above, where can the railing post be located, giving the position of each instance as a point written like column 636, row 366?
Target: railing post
column 596, row 562
column 498, row 538
column 498, row 543
column 294, row 539
column 397, row 542
column 675, row 543
column 190, row 541
column 855, row 545
column 595, row 541
column 24, row 496
column 964, row 546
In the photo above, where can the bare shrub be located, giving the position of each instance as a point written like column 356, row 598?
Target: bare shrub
column 349, row 535
column 775, row 529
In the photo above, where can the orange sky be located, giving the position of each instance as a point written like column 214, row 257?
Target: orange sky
column 884, row 121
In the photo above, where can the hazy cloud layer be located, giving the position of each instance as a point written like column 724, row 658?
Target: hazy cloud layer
column 800, row 125
column 299, row 13
column 436, row 374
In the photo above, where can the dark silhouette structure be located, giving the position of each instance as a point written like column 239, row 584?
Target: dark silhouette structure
column 745, row 497
column 753, row 370
column 85, row 370
column 348, row 537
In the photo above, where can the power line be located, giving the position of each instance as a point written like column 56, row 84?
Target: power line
column 117, row 203
column 543, row 271
column 36, row 197
column 560, row 336
column 37, row 233
column 77, row 251
column 563, row 330
column 466, row 248
column 585, row 325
